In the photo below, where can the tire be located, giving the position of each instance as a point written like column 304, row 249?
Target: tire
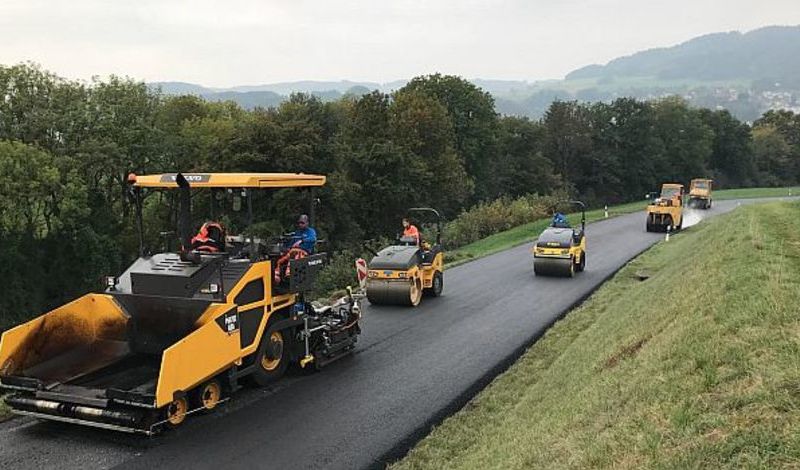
column 207, row 395
column 571, row 271
column 175, row 412
column 272, row 357
column 582, row 265
column 415, row 294
column 437, row 285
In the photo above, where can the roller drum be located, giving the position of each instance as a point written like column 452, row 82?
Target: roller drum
column 384, row 292
column 553, row 266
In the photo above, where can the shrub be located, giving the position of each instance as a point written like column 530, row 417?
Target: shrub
column 490, row 218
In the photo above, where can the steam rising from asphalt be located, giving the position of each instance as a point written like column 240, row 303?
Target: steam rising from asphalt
column 691, row 217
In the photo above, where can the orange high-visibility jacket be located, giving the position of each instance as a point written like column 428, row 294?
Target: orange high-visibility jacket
column 411, row 231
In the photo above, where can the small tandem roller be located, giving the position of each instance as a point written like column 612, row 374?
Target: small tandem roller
column 560, row 250
column 400, row 274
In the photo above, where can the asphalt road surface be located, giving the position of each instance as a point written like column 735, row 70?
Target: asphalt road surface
column 412, row 368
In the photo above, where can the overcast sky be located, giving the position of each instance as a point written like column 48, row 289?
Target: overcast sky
column 239, row 42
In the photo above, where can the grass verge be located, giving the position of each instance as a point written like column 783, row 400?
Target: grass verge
column 527, row 232
column 696, row 366
column 746, row 193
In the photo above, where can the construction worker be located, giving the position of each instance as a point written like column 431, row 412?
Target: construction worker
column 304, row 237
column 410, row 230
column 300, row 244
column 210, row 238
column 560, row 221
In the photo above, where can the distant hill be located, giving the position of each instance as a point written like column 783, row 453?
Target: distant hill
column 180, row 88
column 767, row 53
column 746, row 73
column 273, row 94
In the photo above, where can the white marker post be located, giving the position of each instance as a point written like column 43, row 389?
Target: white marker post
column 605, row 210
column 669, row 227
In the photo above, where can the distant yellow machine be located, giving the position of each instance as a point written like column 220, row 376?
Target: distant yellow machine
column 400, row 274
column 560, row 249
column 177, row 331
column 700, row 193
column 666, row 211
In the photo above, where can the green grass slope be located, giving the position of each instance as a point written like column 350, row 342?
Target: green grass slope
column 696, row 366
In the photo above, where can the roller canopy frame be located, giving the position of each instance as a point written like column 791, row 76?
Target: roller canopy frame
column 436, row 215
column 185, row 182
column 580, row 204
column 230, row 180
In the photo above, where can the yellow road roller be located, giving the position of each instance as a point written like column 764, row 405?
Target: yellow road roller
column 402, row 273
column 700, row 193
column 560, row 249
column 178, row 330
column 665, row 212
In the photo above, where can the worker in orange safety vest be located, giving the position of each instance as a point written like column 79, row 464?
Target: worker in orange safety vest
column 210, row 238
column 410, row 230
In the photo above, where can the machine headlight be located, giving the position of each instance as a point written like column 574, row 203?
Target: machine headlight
column 403, row 275
column 373, row 274
column 211, row 289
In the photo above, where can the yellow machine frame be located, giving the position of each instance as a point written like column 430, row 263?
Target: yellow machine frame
column 230, row 180
column 99, row 321
column 700, row 197
column 420, row 276
column 393, row 285
column 563, row 261
column 666, row 213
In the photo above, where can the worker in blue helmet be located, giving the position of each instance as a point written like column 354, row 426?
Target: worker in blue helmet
column 560, row 221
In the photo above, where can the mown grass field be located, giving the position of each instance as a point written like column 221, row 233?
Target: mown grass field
column 745, row 193
column 528, row 232
column 695, row 367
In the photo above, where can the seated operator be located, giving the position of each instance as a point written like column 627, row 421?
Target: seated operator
column 210, row 238
column 410, row 231
column 560, row 221
column 299, row 244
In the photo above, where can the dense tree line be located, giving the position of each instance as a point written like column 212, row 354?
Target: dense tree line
column 67, row 147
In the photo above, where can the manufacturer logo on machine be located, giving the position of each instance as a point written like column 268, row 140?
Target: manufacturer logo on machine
column 229, row 322
column 315, row 262
column 170, row 178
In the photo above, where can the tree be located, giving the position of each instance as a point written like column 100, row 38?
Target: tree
column 626, row 133
column 568, row 140
column 731, row 159
column 421, row 124
column 687, row 140
column 472, row 113
column 772, row 155
column 521, row 167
